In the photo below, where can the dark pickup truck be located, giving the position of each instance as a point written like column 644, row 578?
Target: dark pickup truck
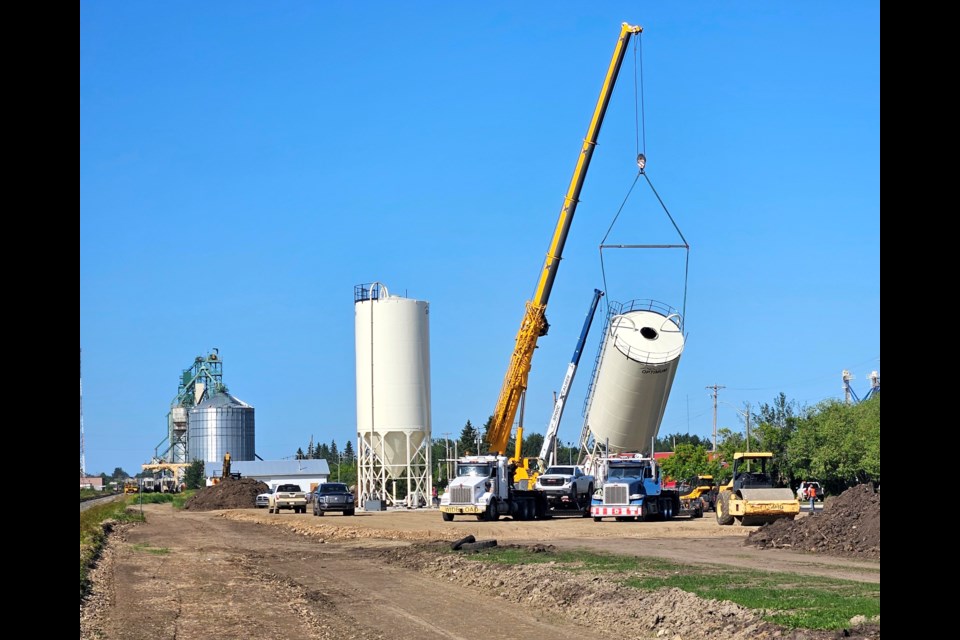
column 333, row 496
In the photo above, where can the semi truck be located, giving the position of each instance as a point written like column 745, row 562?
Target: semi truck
column 632, row 489
column 492, row 485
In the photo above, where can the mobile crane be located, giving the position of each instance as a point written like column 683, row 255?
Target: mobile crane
column 489, row 486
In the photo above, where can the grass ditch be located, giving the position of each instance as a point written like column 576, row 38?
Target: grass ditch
column 176, row 499
column 787, row 599
column 95, row 523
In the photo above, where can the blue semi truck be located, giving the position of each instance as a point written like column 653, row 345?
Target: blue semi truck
column 632, row 489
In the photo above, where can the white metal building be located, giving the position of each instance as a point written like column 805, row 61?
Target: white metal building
column 306, row 473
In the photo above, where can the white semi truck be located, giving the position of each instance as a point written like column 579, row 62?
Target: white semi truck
column 484, row 487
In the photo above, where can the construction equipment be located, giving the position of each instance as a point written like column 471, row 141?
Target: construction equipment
column 225, row 472
column 550, row 438
column 499, row 491
column 697, row 496
column 171, row 474
column 632, row 488
column 131, row 486
column 750, row 497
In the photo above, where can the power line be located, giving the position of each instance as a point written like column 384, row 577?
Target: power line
column 716, row 390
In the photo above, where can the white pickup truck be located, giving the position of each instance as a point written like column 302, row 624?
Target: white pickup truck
column 288, row 496
column 566, row 487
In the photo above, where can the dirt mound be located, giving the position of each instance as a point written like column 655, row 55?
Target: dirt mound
column 848, row 526
column 228, row 494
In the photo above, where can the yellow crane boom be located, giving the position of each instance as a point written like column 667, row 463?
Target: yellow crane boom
column 534, row 322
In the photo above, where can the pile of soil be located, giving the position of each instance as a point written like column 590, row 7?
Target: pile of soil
column 848, row 526
column 228, row 494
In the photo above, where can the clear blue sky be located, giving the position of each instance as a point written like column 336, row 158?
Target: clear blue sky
column 244, row 164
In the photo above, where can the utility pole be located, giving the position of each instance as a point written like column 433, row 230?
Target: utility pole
column 748, row 427
column 446, row 461
column 716, row 389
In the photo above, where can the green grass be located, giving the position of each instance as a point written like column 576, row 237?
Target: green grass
column 91, row 493
column 177, row 499
column 157, row 551
column 92, row 536
column 788, row 599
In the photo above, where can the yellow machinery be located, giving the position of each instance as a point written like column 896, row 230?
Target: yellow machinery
column 171, row 475
column 750, row 497
column 534, row 322
column 697, row 496
column 492, row 485
column 225, row 472
column 131, row 486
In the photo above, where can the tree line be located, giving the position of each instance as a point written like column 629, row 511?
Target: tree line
column 832, row 442
column 331, row 453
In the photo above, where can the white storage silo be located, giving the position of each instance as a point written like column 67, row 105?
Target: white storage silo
column 641, row 350
column 393, row 392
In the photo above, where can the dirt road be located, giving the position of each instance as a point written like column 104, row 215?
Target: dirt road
column 214, row 575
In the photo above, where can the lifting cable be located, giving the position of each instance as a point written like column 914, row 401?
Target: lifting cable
column 641, row 134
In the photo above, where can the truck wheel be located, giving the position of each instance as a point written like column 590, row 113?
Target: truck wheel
column 492, row 514
column 723, row 509
column 348, row 512
column 447, row 517
column 597, row 518
column 318, row 512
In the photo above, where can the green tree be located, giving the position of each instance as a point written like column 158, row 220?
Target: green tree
column 347, row 473
column 774, row 425
column 438, row 456
column 667, row 443
column 532, row 443
column 486, row 445
column 194, row 478
column 120, row 474
column 689, row 461
column 348, row 453
column 300, row 455
column 310, row 449
column 323, row 452
column 334, row 451
column 728, row 443
column 468, row 439
column 838, row 444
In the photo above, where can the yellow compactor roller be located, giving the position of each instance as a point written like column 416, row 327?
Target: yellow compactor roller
column 750, row 497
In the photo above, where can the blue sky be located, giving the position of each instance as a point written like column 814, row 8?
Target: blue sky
column 244, row 165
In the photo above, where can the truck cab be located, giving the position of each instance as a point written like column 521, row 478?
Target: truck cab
column 632, row 489
column 484, row 488
column 480, row 479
